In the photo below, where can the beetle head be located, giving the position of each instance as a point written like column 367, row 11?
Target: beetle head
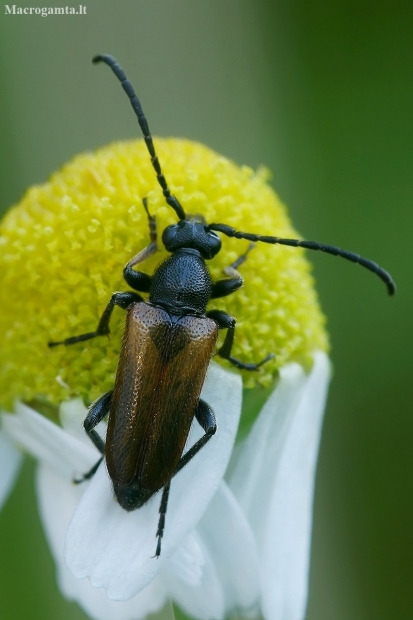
column 194, row 234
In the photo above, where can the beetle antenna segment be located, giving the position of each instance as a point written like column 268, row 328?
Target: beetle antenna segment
column 311, row 245
column 143, row 123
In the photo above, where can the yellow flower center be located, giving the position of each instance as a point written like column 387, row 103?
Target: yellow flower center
column 63, row 248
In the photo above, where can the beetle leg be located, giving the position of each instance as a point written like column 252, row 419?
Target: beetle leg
column 232, row 270
column 123, row 300
column 222, row 288
column 89, row 474
column 162, row 513
column 97, row 411
column 137, row 279
column 206, row 418
column 225, row 321
column 153, row 234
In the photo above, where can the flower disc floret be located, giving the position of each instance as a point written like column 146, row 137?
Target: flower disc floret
column 63, row 248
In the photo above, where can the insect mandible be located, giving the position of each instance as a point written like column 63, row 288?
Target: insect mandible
column 168, row 343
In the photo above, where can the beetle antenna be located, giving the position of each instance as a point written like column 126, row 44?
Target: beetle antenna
column 143, row 123
column 311, row 245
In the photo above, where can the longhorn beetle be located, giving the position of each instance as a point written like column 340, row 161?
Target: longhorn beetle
column 167, row 346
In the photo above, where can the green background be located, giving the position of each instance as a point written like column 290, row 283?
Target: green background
column 321, row 92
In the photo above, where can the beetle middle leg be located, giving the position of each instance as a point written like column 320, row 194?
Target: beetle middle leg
column 123, row 300
column 97, row 411
column 225, row 321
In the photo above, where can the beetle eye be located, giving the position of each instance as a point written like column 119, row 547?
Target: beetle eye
column 214, row 242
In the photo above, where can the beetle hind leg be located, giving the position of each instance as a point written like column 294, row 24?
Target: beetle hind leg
column 162, row 514
column 206, row 418
column 89, row 474
column 97, row 411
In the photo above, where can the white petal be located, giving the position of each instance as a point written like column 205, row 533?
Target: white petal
column 48, row 442
column 201, row 598
column 229, row 539
column 215, row 571
column 253, row 476
column 188, row 561
column 274, row 482
column 57, row 501
column 10, row 461
column 115, row 548
column 72, row 414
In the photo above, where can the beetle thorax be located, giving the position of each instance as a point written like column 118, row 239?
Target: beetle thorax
column 182, row 283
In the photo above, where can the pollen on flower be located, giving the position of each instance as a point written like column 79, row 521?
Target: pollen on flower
column 63, row 248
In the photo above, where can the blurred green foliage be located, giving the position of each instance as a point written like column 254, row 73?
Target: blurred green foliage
column 322, row 94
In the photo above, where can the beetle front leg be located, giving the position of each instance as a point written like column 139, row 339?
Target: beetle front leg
column 222, row 288
column 225, row 321
column 97, row 411
column 137, row 279
column 232, row 269
column 123, row 300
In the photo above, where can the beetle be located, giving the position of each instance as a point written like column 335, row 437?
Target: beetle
column 168, row 343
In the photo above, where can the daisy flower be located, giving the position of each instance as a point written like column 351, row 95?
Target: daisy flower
column 238, row 526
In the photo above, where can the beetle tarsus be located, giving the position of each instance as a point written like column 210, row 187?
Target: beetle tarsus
column 123, row 300
column 232, row 269
column 74, row 339
column 248, row 366
column 161, row 523
column 96, row 413
column 89, row 474
column 153, row 233
column 225, row 321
